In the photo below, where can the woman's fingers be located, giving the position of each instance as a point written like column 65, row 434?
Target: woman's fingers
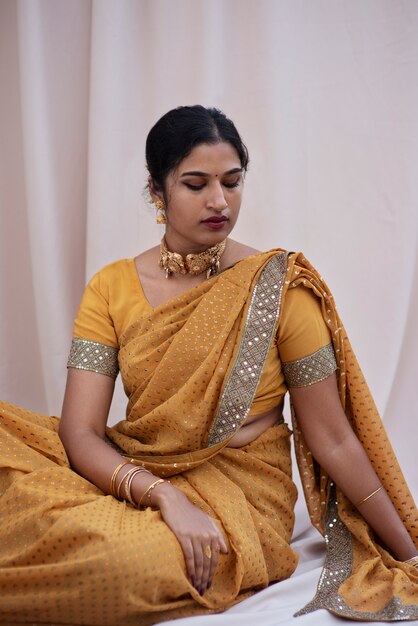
column 199, row 564
column 213, row 560
column 222, row 544
column 188, row 552
column 211, row 549
column 198, row 534
column 208, row 555
column 221, row 539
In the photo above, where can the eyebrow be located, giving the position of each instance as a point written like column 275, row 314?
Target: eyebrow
column 235, row 170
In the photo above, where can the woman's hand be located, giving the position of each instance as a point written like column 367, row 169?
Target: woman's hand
column 200, row 538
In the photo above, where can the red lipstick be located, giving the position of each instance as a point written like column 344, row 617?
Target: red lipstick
column 215, row 221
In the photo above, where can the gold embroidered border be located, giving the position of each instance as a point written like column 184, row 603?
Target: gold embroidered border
column 311, row 369
column 337, row 568
column 260, row 324
column 93, row 356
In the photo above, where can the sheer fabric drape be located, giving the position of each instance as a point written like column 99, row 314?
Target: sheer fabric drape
column 325, row 95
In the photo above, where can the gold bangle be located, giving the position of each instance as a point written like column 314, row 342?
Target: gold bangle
column 373, row 493
column 148, row 491
column 128, row 483
column 124, row 480
column 114, row 475
column 133, row 471
column 413, row 561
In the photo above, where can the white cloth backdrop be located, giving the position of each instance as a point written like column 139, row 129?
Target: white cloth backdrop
column 325, row 94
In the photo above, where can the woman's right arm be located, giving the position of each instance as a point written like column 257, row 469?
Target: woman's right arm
column 87, row 400
column 84, row 415
column 85, row 411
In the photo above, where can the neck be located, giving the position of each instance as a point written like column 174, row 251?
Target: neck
column 175, row 244
column 194, row 263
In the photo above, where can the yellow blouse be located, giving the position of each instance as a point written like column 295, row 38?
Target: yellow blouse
column 114, row 299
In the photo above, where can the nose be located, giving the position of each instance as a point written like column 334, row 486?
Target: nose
column 216, row 200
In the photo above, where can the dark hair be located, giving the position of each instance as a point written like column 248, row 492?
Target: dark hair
column 175, row 135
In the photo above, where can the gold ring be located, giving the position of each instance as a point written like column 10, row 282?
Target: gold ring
column 208, row 551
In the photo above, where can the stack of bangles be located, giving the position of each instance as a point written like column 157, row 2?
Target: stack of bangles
column 125, row 485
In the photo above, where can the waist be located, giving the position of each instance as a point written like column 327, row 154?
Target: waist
column 255, row 425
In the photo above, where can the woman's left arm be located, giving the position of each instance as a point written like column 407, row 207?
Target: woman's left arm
column 335, row 446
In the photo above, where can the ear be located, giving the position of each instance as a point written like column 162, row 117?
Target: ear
column 153, row 192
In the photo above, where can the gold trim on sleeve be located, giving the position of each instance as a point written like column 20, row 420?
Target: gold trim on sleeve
column 94, row 357
column 311, row 369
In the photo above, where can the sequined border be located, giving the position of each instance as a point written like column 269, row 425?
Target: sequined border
column 311, row 369
column 337, row 568
column 94, row 357
column 260, row 324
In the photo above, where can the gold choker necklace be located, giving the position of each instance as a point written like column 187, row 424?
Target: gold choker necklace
column 207, row 261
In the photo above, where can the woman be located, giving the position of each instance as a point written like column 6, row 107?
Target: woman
column 186, row 506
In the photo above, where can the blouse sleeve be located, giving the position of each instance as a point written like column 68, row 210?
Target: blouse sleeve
column 304, row 339
column 95, row 345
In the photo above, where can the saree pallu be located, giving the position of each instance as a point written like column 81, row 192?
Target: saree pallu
column 70, row 554
column 360, row 579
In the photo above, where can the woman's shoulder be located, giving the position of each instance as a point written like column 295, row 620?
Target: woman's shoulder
column 116, row 292
column 115, row 267
column 117, row 272
column 115, row 282
column 236, row 252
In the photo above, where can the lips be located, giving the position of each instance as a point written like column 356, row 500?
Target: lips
column 215, row 220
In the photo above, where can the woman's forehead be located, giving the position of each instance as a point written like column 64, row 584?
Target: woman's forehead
column 211, row 159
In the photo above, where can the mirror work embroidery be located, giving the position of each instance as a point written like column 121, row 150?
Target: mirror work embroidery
column 260, row 325
column 311, row 369
column 94, row 357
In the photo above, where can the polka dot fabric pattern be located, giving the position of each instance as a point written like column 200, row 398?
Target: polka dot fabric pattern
column 174, row 362
column 374, row 586
column 70, row 554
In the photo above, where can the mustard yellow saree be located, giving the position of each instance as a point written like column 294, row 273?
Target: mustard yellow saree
column 193, row 369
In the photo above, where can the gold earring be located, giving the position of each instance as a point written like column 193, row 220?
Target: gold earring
column 161, row 218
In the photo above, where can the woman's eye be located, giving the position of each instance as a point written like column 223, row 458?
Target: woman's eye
column 234, row 184
column 199, row 186
column 194, row 187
